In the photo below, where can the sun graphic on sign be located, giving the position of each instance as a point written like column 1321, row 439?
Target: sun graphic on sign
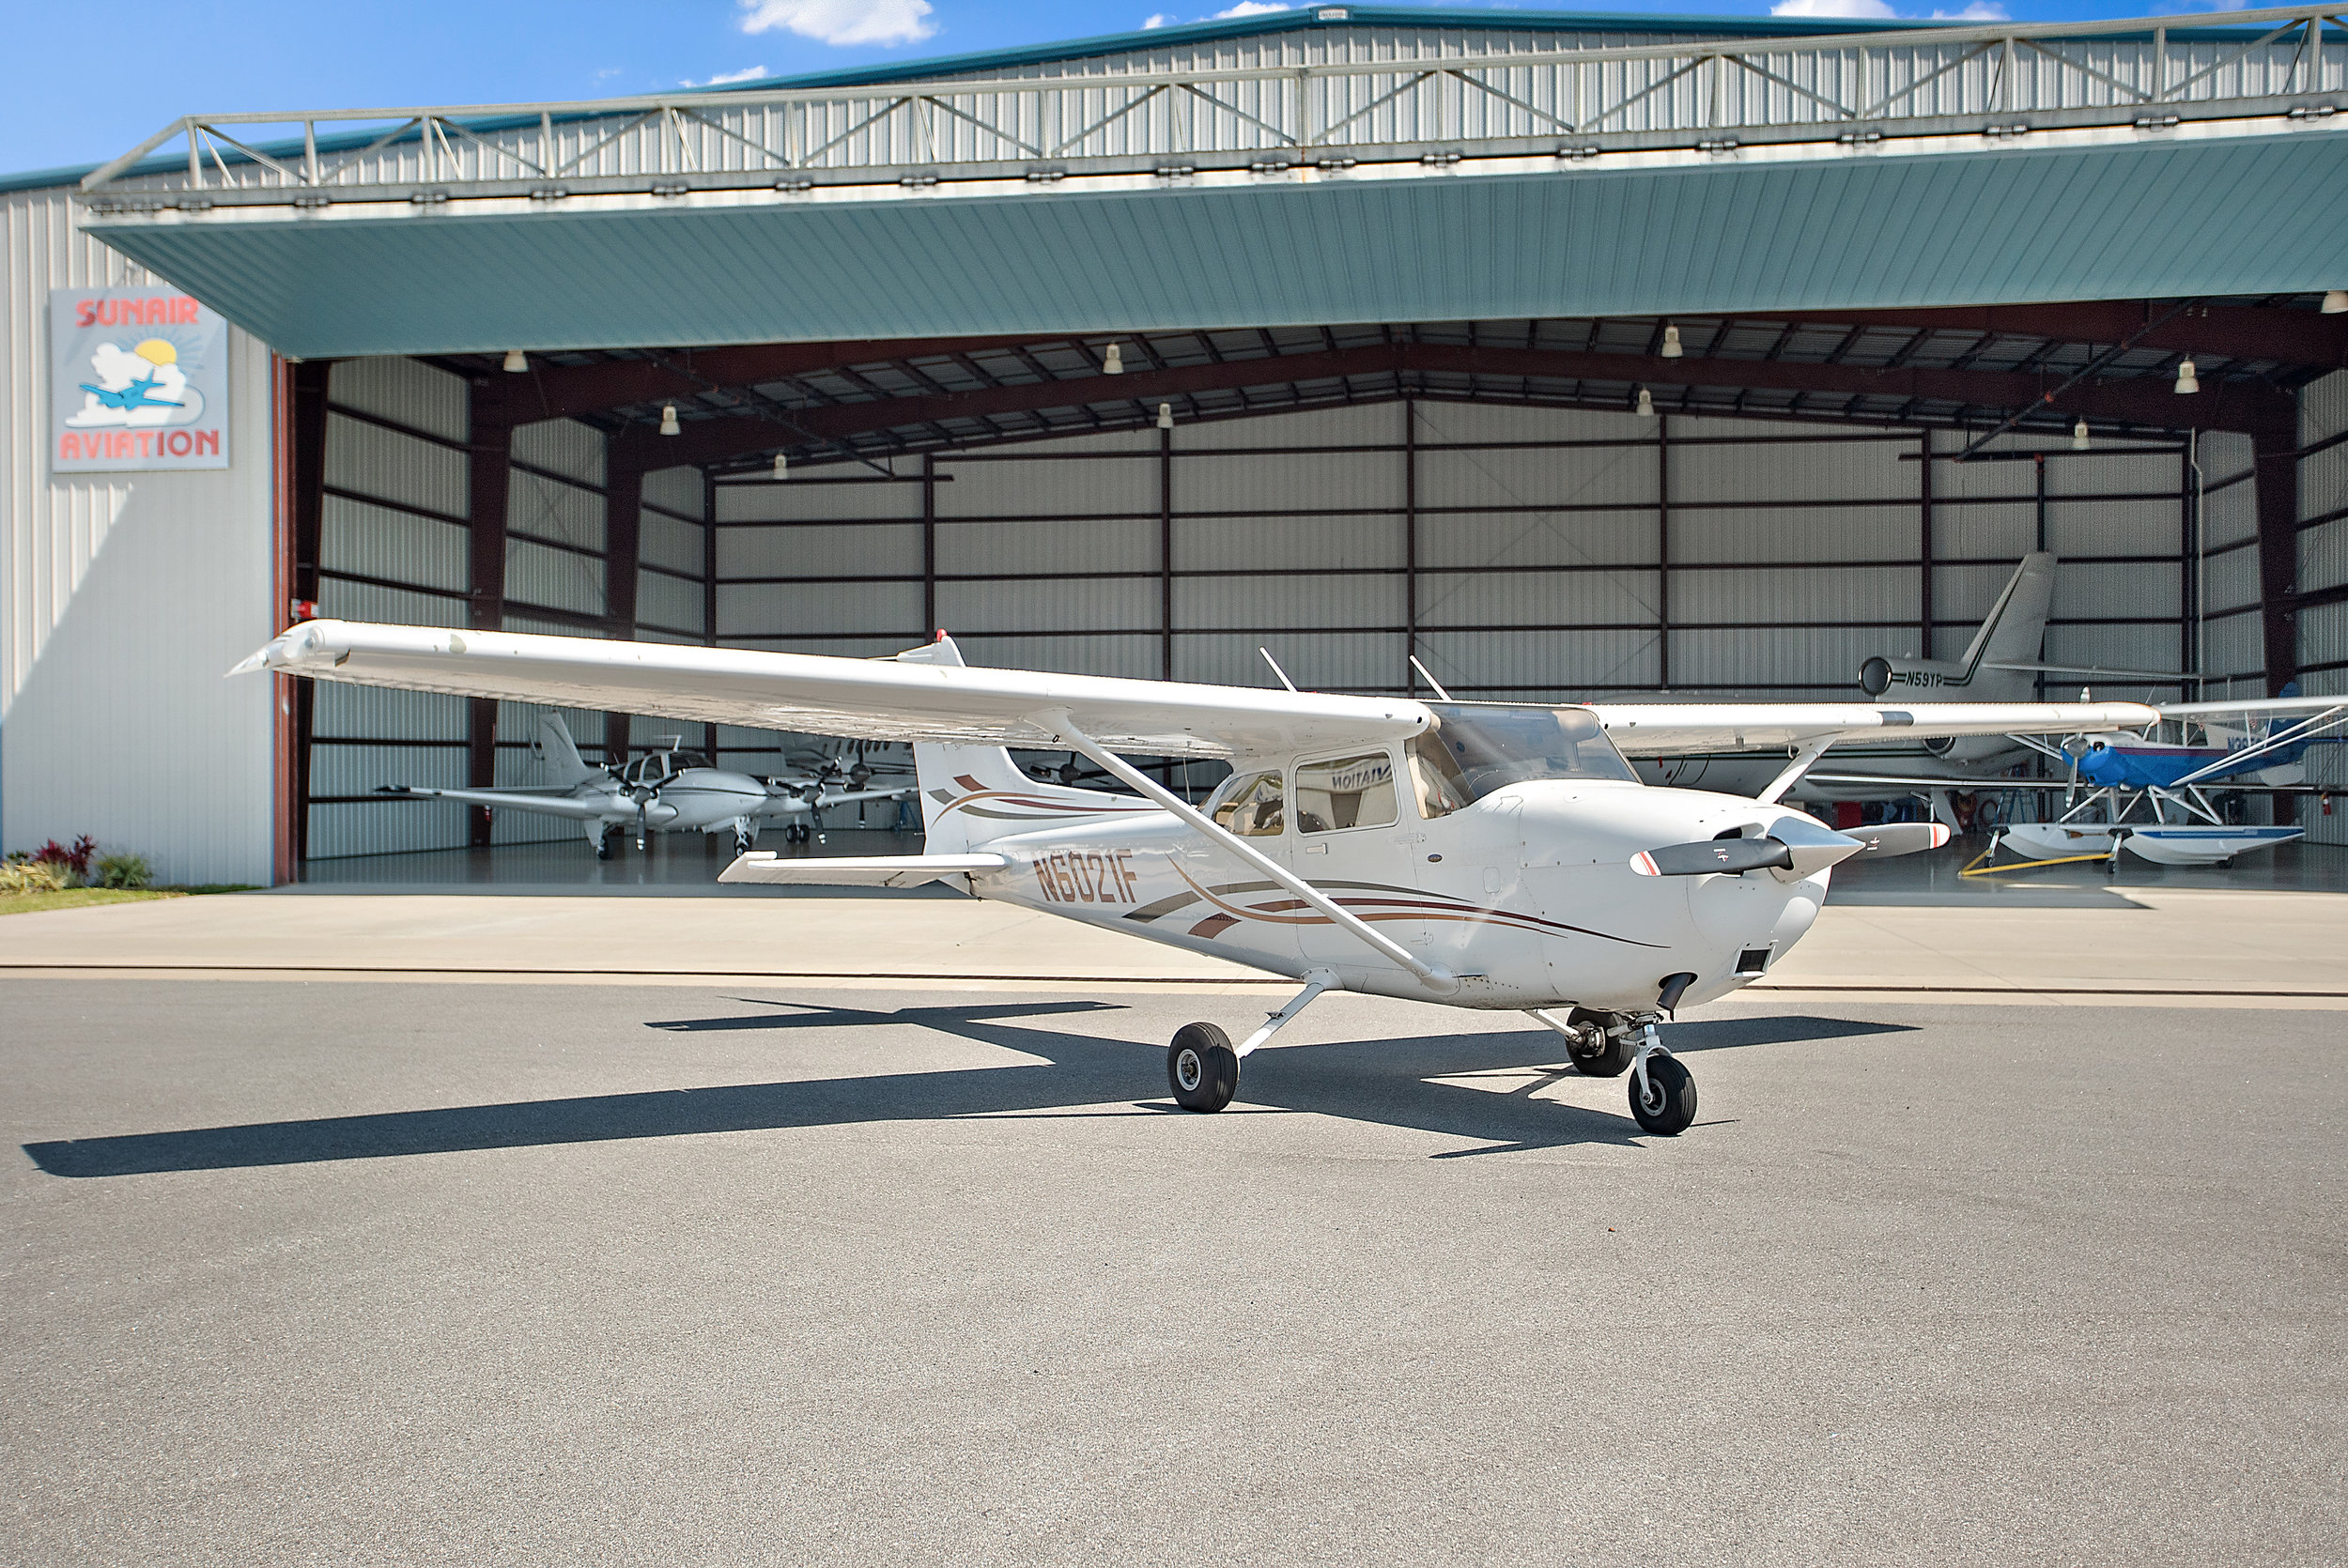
column 141, row 385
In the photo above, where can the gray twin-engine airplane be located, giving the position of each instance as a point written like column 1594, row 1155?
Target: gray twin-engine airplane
column 1488, row 856
column 670, row 791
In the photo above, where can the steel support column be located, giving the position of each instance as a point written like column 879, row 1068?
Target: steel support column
column 2274, row 448
column 305, row 512
column 622, row 534
column 1410, row 541
column 1663, row 551
column 709, row 590
column 489, row 446
column 929, row 545
column 1165, row 555
column 1924, row 536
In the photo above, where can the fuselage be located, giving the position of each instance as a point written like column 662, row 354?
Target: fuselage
column 1527, row 894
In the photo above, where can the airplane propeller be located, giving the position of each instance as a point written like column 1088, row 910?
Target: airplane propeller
column 1803, row 850
column 1715, row 856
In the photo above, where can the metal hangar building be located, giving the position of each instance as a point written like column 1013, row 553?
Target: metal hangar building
column 1570, row 354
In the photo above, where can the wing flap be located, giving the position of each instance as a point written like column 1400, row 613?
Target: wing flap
column 1669, row 728
column 871, row 699
column 883, row 871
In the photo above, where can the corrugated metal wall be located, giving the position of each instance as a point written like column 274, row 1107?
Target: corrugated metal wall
column 2324, row 564
column 123, row 597
column 395, row 547
column 1529, row 553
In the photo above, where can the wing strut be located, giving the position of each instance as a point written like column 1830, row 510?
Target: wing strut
column 1439, row 980
column 1809, row 752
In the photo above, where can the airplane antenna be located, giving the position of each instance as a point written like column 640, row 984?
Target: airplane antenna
column 1430, row 679
column 1275, row 668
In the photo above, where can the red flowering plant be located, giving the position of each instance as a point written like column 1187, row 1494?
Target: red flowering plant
column 72, row 864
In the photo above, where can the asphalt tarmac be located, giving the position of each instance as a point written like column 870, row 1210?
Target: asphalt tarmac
column 502, row 1273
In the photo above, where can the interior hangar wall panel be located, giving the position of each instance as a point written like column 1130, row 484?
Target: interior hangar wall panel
column 1442, row 421
column 2324, row 494
column 1349, row 425
column 1061, row 545
column 1781, row 470
column 666, row 601
column 566, row 446
column 542, row 508
column 663, row 541
column 2003, row 531
column 1961, row 598
column 2086, row 589
column 1854, row 594
column 1536, row 598
column 398, row 607
column 1318, row 661
column 2101, row 473
column 1818, row 662
column 406, row 390
column 388, row 465
column 796, row 612
column 1090, row 604
column 818, row 500
column 875, row 646
column 1134, row 656
column 820, row 549
column 1350, row 543
column 385, row 826
column 1287, row 481
column 1046, row 488
column 550, row 579
column 385, row 714
column 1828, row 537
column 1555, row 476
column 1575, row 666
column 360, row 770
column 2112, row 648
column 1272, row 606
column 1516, row 539
column 2094, row 527
column 677, row 489
column 377, row 541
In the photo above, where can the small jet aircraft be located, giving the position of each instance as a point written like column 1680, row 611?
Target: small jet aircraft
column 1488, row 856
column 670, row 791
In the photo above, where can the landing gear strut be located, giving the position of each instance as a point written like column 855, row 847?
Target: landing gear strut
column 1202, row 1067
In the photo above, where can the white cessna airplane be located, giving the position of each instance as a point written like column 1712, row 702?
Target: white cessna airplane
column 669, row 791
column 1488, row 856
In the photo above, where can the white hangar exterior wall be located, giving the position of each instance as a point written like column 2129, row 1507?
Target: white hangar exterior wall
column 126, row 596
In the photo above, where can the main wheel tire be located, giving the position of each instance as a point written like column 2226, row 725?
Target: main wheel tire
column 1202, row 1068
column 1611, row 1059
column 1667, row 1106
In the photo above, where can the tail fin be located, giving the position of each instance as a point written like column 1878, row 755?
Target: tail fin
column 555, row 749
column 2013, row 633
column 974, row 793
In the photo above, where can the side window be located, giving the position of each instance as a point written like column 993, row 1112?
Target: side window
column 1250, row 806
column 1337, row 792
column 1434, row 779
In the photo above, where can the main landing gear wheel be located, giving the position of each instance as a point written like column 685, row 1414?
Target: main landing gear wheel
column 1202, row 1067
column 742, row 842
column 1609, row 1058
column 606, row 842
column 1665, row 1101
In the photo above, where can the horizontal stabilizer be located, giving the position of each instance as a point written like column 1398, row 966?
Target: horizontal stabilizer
column 880, row 871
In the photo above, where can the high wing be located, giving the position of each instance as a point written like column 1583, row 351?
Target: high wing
column 1668, row 730
column 2252, row 707
column 551, row 805
column 877, row 698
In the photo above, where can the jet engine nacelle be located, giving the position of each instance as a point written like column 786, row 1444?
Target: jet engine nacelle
column 1879, row 675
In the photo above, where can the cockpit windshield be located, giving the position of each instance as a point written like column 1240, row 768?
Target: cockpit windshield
column 1474, row 750
column 661, row 765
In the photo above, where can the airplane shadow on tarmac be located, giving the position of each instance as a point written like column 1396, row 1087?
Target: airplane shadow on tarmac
column 1383, row 1081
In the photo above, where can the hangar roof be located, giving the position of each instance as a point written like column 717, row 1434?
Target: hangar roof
column 1333, row 164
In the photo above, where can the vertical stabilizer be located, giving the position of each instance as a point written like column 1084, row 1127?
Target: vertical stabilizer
column 2012, row 634
column 973, row 793
column 561, row 756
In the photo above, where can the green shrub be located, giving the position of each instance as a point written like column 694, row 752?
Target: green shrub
column 30, row 876
column 123, row 870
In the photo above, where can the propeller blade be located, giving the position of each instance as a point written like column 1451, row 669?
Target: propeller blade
column 1892, row 839
column 1710, row 857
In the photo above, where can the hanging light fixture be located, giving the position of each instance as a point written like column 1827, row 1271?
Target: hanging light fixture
column 1670, row 349
column 1166, row 416
column 782, row 465
column 1113, row 361
column 668, row 426
column 2335, row 301
column 1646, row 404
column 2186, row 380
column 2078, row 437
column 515, row 361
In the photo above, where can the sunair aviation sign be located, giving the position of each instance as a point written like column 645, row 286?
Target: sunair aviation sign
column 138, row 379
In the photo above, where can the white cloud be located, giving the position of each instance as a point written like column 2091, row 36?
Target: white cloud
column 1249, row 8
column 1158, row 19
column 1871, row 10
column 841, row 23
column 1980, row 11
column 747, row 73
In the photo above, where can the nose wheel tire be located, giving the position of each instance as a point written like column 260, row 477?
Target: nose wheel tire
column 1665, row 1101
column 1202, row 1068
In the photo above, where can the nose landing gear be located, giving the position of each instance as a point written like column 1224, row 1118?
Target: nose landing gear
column 1662, row 1092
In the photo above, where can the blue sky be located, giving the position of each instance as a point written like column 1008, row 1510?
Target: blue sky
column 79, row 84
